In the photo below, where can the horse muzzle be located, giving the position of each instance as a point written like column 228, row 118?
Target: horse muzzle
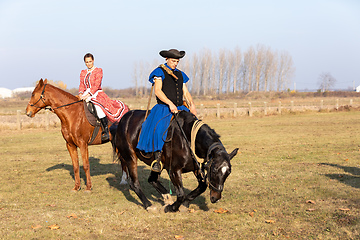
column 29, row 114
column 215, row 196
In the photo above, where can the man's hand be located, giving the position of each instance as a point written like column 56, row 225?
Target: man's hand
column 173, row 108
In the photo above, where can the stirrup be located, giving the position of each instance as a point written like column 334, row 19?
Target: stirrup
column 105, row 137
column 154, row 168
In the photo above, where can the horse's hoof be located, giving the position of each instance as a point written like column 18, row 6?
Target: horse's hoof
column 168, row 208
column 88, row 191
column 75, row 189
column 152, row 209
column 182, row 208
column 123, row 182
column 167, row 199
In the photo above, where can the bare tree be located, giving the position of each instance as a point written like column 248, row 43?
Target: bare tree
column 249, row 62
column 229, row 63
column 135, row 78
column 285, row 70
column 222, row 66
column 236, row 67
column 259, row 63
column 326, row 81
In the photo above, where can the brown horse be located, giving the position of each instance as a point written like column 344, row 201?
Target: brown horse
column 75, row 128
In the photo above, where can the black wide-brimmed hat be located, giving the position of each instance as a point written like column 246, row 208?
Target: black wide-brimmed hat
column 172, row 53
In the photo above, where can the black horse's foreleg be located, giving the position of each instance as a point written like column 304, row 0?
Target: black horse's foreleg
column 154, row 181
column 195, row 193
column 177, row 182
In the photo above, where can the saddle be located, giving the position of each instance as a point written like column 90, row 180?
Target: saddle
column 92, row 118
column 90, row 114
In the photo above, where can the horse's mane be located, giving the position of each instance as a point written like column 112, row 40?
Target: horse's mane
column 189, row 118
column 63, row 92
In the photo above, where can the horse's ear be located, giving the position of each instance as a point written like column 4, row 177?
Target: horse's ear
column 45, row 81
column 233, row 153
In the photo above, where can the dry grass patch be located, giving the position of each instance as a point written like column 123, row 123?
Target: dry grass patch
column 296, row 176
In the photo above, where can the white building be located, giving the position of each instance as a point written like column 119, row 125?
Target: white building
column 25, row 89
column 357, row 89
column 5, row 93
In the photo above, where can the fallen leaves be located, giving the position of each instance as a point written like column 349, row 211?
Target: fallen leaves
column 179, row 237
column 344, row 209
column 36, row 227
column 72, row 216
column 54, row 227
column 270, row 221
column 221, row 210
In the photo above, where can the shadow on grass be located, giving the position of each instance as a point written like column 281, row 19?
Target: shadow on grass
column 97, row 169
column 349, row 179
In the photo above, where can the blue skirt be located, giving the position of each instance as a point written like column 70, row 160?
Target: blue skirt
column 154, row 129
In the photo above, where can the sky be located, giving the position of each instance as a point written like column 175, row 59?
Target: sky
column 48, row 38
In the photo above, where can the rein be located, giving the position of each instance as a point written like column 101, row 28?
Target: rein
column 42, row 98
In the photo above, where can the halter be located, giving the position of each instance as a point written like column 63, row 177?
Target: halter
column 42, row 98
column 209, row 162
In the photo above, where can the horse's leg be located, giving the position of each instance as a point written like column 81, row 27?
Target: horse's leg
column 86, row 165
column 134, row 181
column 75, row 162
column 154, row 181
column 196, row 192
column 180, row 195
column 124, row 176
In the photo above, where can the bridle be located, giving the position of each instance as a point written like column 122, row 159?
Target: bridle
column 209, row 161
column 42, row 98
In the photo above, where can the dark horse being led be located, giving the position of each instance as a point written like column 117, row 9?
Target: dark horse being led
column 75, row 126
column 177, row 158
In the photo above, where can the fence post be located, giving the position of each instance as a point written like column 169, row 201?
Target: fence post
column 321, row 104
column 202, row 110
column 292, row 106
column 265, row 108
column 279, row 108
column 47, row 120
column 218, row 110
column 250, row 110
column 351, row 102
column 18, row 119
column 337, row 104
column 235, row 109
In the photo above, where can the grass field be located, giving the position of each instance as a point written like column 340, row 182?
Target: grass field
column 296, row 176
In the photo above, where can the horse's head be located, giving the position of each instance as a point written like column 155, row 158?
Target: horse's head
column 218, row 169
column 37, row 100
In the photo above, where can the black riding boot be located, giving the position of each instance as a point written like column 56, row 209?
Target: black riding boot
column 156, row 165
column 105, row 130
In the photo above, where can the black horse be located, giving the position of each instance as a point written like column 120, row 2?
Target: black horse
column 177, row 158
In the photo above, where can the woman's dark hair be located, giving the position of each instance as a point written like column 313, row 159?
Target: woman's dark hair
column 89, row 55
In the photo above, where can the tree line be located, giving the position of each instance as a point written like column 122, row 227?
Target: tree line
column 258, row 68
